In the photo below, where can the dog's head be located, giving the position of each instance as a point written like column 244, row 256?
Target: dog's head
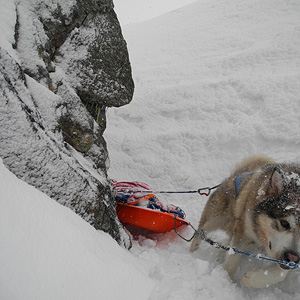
column 277, row 216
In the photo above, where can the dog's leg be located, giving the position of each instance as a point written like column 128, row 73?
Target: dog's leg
column 261, row 278
column 207, row 226
column 231, row 263
column 197, row 240
column 195, row 243
column 232, row 260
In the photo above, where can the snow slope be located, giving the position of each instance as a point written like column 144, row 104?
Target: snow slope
column 132, row 11
column 216, row 81
column 49, row 252
column 7, row 25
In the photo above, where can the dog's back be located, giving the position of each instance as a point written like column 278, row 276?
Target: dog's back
column 251, row 164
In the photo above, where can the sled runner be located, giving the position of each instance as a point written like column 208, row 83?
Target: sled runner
column 145, row 210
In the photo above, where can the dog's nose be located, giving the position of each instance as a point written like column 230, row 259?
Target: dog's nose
column 291, row 256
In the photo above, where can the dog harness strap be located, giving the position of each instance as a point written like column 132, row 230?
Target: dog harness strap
column 238, row 181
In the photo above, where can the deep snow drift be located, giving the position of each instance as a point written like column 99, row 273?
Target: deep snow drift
column 216, row 81
column 49, row 252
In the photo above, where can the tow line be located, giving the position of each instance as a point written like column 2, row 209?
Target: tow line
column 205, row 191
column 232, row 250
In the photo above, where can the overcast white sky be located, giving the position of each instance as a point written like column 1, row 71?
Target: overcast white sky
column 130, row 11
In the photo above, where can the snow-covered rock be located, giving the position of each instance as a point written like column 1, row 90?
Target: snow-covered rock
column 61, row 64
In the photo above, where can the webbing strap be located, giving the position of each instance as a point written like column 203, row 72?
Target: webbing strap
column 238, row 181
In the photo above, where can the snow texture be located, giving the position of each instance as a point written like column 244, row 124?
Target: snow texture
column 48, row 252
column 215, row 81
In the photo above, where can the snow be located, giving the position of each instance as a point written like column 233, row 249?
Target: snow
column 145, row 9
column 216, row 80
column 7, row 25
column 49, row 252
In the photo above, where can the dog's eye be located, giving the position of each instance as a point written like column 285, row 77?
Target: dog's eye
column 285, row 224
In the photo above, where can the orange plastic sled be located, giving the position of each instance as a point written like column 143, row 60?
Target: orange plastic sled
column 152, row 220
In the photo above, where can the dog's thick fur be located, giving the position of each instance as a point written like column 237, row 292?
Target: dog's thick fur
column 265, row 212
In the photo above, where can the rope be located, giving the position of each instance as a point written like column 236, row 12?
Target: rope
column 232, row 250
column 202, row 191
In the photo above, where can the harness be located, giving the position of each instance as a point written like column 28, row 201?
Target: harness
column 238, row 181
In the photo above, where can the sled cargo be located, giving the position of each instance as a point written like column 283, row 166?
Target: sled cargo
column 138, row 208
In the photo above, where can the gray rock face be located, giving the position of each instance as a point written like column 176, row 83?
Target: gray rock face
column 69, row 64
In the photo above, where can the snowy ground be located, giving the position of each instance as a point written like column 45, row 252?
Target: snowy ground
column 216, row 81
column 49, row 253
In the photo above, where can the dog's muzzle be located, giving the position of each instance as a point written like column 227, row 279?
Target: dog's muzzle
column 289, row 256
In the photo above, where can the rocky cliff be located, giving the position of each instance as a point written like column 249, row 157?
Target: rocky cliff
column 67, row 63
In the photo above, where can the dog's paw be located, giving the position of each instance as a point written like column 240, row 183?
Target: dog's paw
column 250, row 279
column 262, row 278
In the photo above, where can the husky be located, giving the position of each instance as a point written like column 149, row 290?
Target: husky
column 257, row 206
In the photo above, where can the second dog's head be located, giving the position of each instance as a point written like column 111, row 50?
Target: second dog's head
column 277, row 214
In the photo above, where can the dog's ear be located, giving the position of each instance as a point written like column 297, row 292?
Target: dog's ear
column 277, row 182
